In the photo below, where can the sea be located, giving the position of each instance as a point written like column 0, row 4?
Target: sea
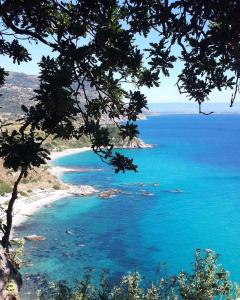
column 185, row 196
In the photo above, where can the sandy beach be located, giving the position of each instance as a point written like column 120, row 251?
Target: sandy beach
column 66, row 152
column 25, row 207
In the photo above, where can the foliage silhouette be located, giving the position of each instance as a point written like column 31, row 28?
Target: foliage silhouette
column 94, row 44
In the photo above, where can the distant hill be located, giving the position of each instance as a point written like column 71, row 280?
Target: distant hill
column 192, row 108
column 18, row 90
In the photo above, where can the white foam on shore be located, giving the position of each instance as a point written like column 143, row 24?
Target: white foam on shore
column 25, row 207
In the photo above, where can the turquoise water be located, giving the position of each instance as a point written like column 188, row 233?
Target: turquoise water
column 198, row 155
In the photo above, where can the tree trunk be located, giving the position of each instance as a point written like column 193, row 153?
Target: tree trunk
column 5, row 239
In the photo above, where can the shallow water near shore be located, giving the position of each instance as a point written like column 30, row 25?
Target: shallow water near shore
column 185, row 196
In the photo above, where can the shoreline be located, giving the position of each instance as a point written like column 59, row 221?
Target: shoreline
column 28, row 206
column 66, row 152
column 25, row 207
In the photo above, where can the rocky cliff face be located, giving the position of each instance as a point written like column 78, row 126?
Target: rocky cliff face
column 135, row 143
column 10, row 279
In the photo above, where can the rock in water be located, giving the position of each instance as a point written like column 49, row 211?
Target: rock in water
column 136, row 143
column 67, row 231
column 109, row 193
column 176, row 191
column 34, row 237
column 83, row 190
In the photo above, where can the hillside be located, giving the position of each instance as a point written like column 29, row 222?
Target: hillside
column 18, row 90
column 42, row 178
column 39, row 178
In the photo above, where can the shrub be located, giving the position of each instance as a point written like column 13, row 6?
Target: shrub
column 25, row 180
column 24, row 194
column 56, row 187
column 207, row 281
column 4, row 188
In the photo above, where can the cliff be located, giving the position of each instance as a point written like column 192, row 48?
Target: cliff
column 135, row 143
column 10, row 279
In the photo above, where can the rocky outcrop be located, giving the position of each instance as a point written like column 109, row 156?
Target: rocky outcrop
column 142, row 117
column 82, row 190
column 10, row 279
column 109, row 193
column 34, row 237
column 136, row 143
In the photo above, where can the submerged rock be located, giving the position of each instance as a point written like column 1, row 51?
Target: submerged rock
column 126, row 193
column 34, row 237
column 67, row 231
column 141, row 184
column 28, row 264
column 176, row 191
column 146, row 193
column 109, row 193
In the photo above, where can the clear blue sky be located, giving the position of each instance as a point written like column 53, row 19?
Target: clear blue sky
column 167, row 92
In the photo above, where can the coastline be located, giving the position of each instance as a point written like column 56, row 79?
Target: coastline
column 28, row 206
column 25, row 207
column 66, row 152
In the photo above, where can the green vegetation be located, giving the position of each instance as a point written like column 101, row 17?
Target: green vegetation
column 24, row 194
column 207, row 281
column 4, row 188
column 94, row 44
column 56, row 187
column 84, row 83
column 57, row 144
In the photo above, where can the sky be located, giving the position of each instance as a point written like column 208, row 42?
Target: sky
column 166, row 93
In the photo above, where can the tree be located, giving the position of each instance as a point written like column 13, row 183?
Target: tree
column 93, row 48
column 95, row 44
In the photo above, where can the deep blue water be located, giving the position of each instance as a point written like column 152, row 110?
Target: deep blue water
column 198, row 155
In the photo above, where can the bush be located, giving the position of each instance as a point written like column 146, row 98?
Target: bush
column 4, row 188
column 56, row 187
column 25, row 180
column 207, row 281
column 24, row 194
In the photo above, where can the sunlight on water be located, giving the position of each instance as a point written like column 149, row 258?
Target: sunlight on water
column 185, row 196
